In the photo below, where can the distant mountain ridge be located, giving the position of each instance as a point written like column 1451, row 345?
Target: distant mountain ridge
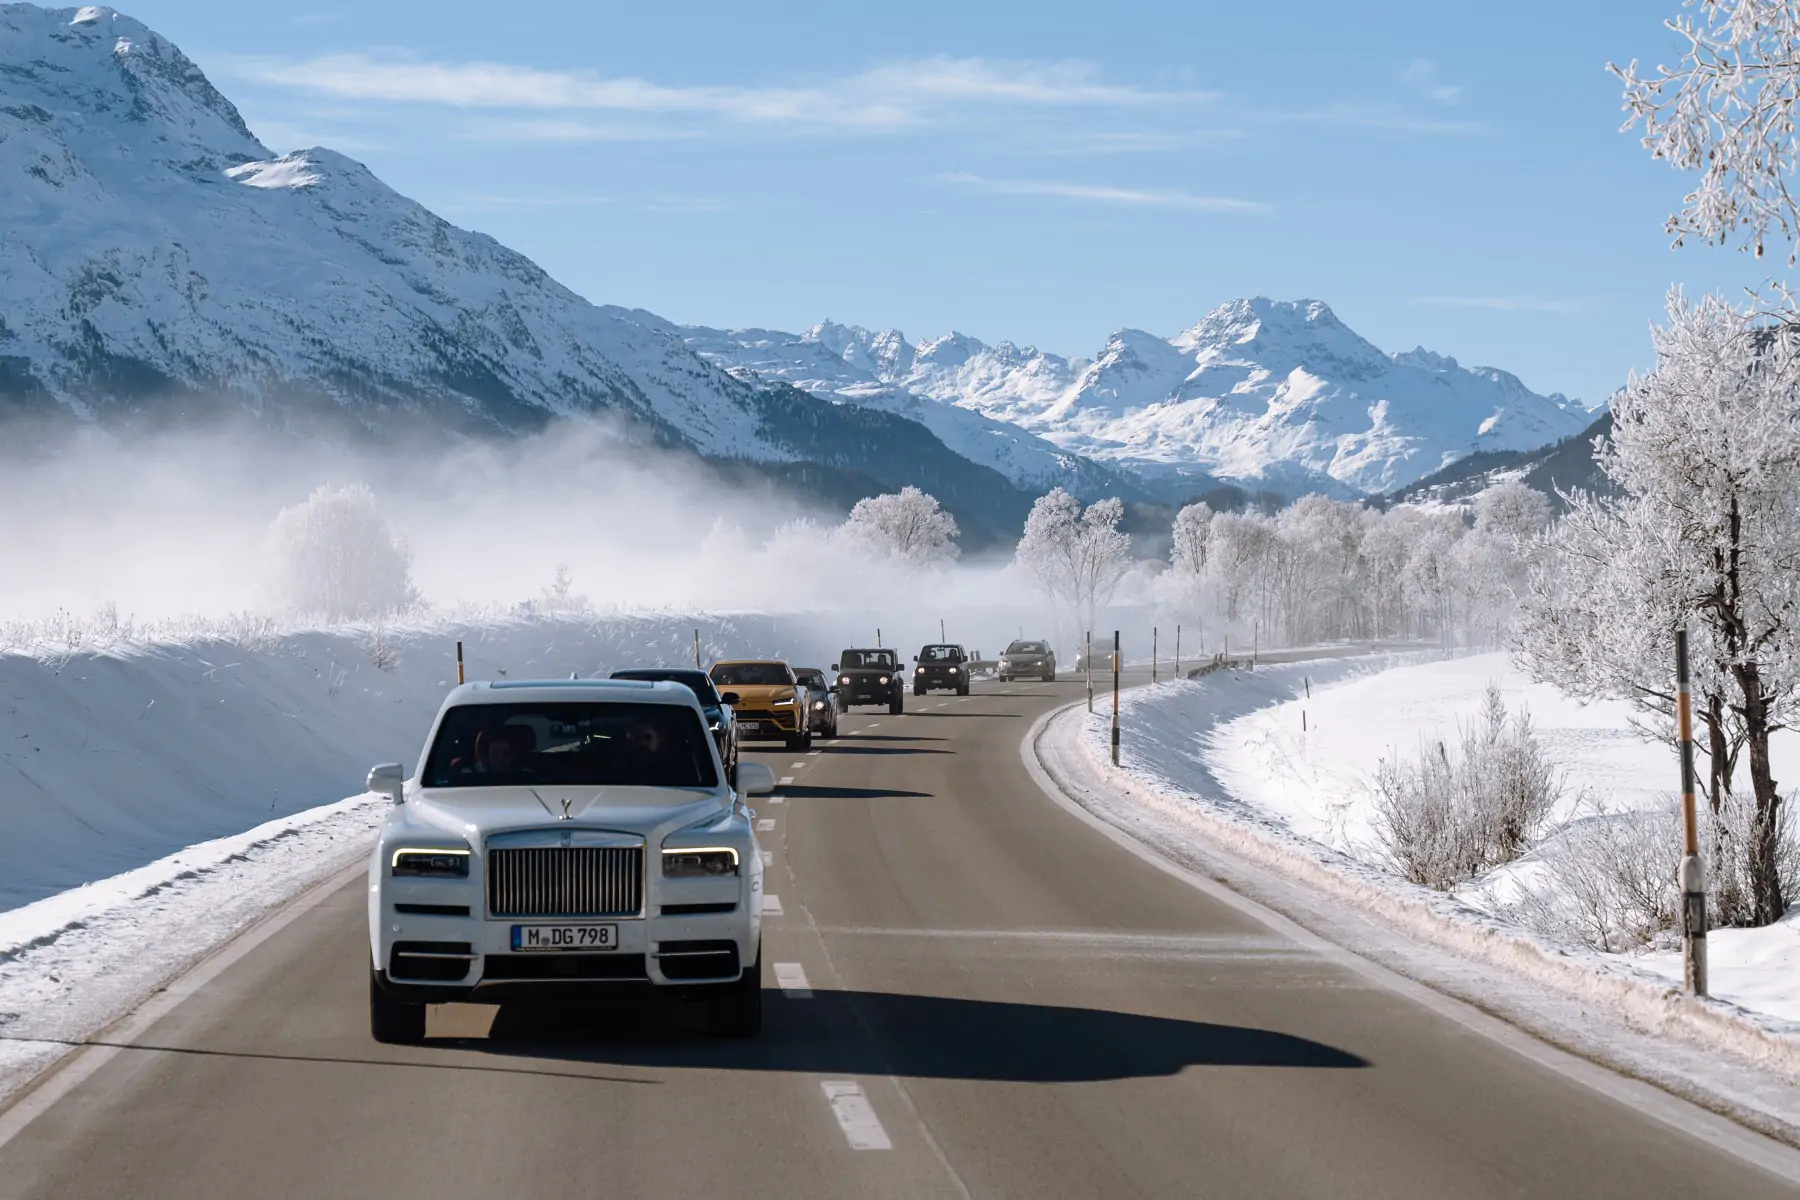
column 1262, row 392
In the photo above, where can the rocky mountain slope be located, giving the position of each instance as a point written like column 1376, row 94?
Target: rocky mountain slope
column 158, row 263
column 1269, row 393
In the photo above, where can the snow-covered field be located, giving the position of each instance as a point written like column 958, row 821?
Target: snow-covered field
column 1310, row 763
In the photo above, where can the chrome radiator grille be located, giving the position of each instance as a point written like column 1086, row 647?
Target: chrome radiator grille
column 566, row 881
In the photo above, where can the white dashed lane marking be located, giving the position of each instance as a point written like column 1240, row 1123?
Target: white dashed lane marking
column 768, row 856
column 771, row 904
column 765, row 824
column 855, row 1115
column 797, row 766
column 785, row 780
column 814, row 753
column 792, row 979
column 777, row 799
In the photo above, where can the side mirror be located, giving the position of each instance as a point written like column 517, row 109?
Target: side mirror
column 730, row 698
column 832, row 689
column 389, row 779
column 834, row 667
column 755, row 779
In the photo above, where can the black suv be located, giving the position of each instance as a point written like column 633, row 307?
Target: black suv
column 943, row 667
column 719, row 717
column 870, row 677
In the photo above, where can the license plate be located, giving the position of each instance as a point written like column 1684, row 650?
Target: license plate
column 565, row 937
column 750, row 726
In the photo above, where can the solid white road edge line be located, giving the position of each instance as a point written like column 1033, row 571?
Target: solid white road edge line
column 76, row 1068
column 855, row 1115
column 791, row 978
column 1709, row 1127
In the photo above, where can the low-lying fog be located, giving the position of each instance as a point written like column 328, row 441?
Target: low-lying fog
column 177, row 525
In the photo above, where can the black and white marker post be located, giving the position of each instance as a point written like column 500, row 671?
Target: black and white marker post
column 1089, row 660
column 1115, row 727
column 1693, row 870
column 459, row 663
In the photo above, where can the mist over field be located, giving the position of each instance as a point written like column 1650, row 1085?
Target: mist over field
column 179, row 524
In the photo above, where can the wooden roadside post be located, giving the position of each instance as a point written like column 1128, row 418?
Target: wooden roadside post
column 1693, row 870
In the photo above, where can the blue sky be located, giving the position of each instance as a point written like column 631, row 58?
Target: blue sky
column 1443, row 174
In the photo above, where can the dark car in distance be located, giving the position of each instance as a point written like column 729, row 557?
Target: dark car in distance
column 821, row 700
column 871, row 677
column 1027, row 657
column 941, row 667
column 720, row 720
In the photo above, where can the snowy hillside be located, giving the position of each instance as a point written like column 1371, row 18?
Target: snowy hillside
column 151, row 247
column 1269, row 392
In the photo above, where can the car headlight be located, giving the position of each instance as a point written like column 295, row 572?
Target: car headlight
column 427, row 863
column 788, row 703
column 844, row 679
column 953, row 670
column 700, row 862
column 920, row 671
column 818, row 704
column 884, row 679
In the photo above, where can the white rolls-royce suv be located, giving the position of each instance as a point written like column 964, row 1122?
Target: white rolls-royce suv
column 564, row 835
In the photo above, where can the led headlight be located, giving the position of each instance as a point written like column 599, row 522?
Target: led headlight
column 701, row 862
column 782, row 703
column 431, row 863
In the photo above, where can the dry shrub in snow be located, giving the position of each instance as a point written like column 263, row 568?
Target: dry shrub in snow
column 1444, row 820
column 1608, row 880
column 336, row 557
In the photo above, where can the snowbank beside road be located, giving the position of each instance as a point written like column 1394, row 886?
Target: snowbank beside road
column 1315, row 774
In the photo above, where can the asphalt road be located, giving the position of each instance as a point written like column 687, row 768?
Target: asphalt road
column 1001, row 1002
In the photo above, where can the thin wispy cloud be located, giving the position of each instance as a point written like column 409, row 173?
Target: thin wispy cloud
column 896, row 94
column 1421, row 75
column 565, row 129
column 1518, row 304
column 1378, row 117
column 1105, row 194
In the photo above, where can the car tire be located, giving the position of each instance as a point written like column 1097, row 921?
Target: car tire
column 794, row 741
column 394, row 1022
column 897, row 705
column 917, row 690
column 735, row 1009
column 962, row 689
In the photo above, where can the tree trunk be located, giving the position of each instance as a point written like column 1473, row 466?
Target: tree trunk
column 1765, row 867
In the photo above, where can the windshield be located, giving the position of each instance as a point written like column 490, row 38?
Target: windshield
column 757, row 674
column 947, row 654
column 578, row 744
column 1027, row 648
column 695, row 680
column 810, row 677
column 882, row 660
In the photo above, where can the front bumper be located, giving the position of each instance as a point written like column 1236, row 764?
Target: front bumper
column 657, row 951
column 767, row 724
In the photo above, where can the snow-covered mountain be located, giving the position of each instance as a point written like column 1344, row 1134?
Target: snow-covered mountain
column 879, row 371
column 153, row 251
column 1272, row 393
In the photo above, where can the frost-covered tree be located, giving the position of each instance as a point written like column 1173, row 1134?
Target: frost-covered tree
column 1076, row 555
column 1187, row 540
column 335, row 556
column 1727, row 109
column 1705, row 531
column 907, row 524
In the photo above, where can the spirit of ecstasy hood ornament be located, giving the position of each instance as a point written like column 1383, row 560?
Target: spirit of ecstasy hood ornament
column 565, row 812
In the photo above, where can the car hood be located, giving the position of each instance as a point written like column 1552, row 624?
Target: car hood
column 473, row 813
column 761, row 695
